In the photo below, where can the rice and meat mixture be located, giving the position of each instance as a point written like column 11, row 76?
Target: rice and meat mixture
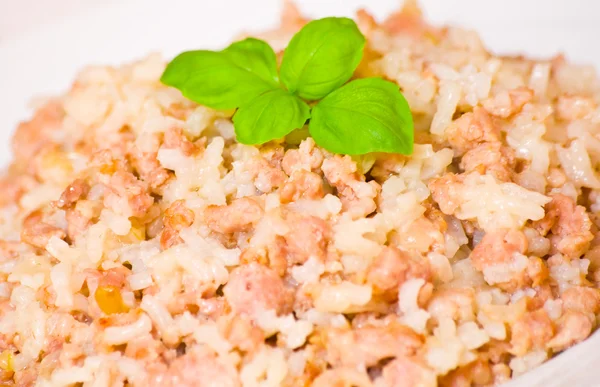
column 141, row 245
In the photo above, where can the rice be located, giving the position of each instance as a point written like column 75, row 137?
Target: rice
column 140, row 244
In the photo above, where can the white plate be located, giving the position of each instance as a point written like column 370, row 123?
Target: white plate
column 42, row 58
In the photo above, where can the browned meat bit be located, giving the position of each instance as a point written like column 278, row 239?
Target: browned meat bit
column 570, row 225
column 506, row 104
column 32, row 135
column 392, row 267
column 199, row 367
column 581, row 299
column 302, row 185
column 357, row 196
column 307, row 237
column 176, row 218
column 533, row 330
column 241, row 333
column 76, row 190
column 446, row 192
column 570, row 108
column 240, row 215
column 307, row 157
column 175, row 139
column 491, row 158
column 498, row 247
column 366, row 346
column 476, row 373
column 37, row 233
column 405, row 371
column 254, row 287
column 573, row 327
column 125, row 186
column 472, row 129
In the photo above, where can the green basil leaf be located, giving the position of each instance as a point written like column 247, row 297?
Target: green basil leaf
column 321, row 57
column 214, row 79
column 366, row 115
column 255, row 56
column 270, row 116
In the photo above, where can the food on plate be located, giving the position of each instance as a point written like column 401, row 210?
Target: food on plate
column 333, row 202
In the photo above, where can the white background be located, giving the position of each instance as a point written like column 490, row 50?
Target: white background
column 43, row 43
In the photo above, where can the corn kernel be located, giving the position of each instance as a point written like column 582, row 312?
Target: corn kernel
column 6, row 360
column 136, row 234
column 109, row 300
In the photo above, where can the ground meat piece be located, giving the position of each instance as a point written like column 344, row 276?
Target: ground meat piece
column 14, row 186
column 342, row 377
column 76, row 190
column 254, row 287
column 446, row 192
column 407, row 21
column 240, row 215
column 533, row 330
column 570, row 225
column 422, row 236
column 176, row 217
column 199, row 367
column 472, row 129
column 26, row 377
column 581, row 299
column 77, row 223
column 573, row 327
column 266, row 176
column 308, row 236
column 273, row 153
column 302, row 185
column 507, row 103
column 491, row 158
column 499, row 256
column 274, row 255
column 32, row 135
column 176, row 139
column 10, row 250
column 498, row 247
column 147, row 165
column 128, row 196
column 570, row 108
column 241, row 333
column 406, row 371
column 366, row 346
column 392, row 267
column 476, row 373
column 357, row 196
column 37, row 232
column 455, row 304
column 307, row 157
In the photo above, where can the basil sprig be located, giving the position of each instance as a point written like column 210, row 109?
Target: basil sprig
column 361, row 116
